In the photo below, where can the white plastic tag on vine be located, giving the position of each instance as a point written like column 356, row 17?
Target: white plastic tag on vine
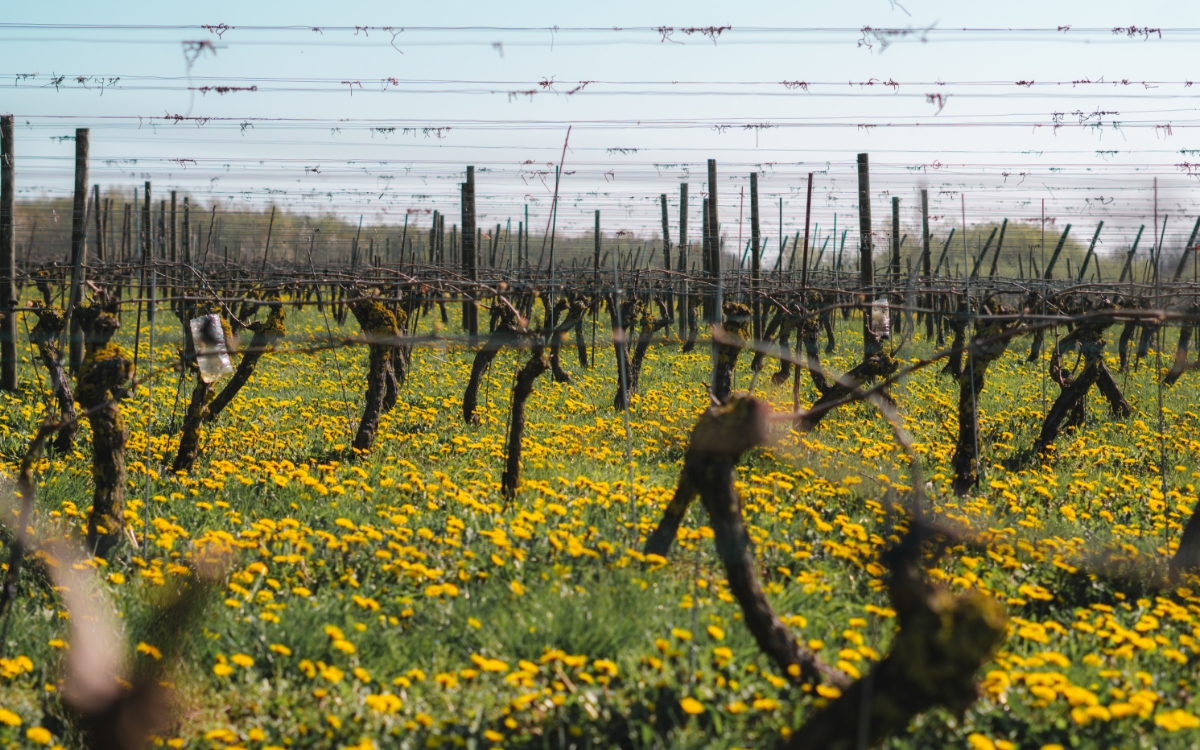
column 881, row 321
column 211, row 354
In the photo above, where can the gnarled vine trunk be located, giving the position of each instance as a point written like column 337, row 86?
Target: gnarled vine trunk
column 689, row 303
column 942, row 641
column 623, row 318
column 266, row 333
column 581, row 344
column 736, row 326
column 777, row 325
column 879, row 365
column 1180, row 364
column 533, row 369
column 571, row 312
column 377, row 322
column 100, row 384
column 650, row 325
column 717, row 443
column 203, row 391
column 193, row 419
column 971, row 378
column 505, row 334
column 786, row 329
column 1070, row 406
column 45, row 336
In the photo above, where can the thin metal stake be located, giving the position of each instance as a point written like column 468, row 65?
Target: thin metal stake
column 625, row 390
column 970, row 354
column 1162, row 438
column 150, row 402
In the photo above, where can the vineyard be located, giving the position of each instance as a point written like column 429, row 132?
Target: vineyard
column 276, row 477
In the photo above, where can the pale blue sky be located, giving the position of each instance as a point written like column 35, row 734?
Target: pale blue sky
column 1003, row 171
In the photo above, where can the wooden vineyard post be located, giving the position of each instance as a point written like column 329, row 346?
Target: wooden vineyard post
column 596, row 252
column 682, row 255
column 174, row 240
column 145, row 228
column 186, row 249
column 999, row 245
column 714, row 243
column 8, row 265
column 866, row 270
column 97, row 208
column 1049, row 273
column 470, row 311
column 403, row 241
column 876, row 363
column 755, row 260
column 353, row 245
column 807, row 223
column 897, row 297
column 270, row 228
column 1092, row 250
column 596, row 240
column 803, row 291
column 712, row 230
column 78, row 244
column 126, row 226
column 1189, row 248
column 783, row 241
column 926, row 270
column 894, row 265
column 109, row 232
column 549, row 301
column 666, row 230
column 704, row 299
column 433, row 227
column 143, row 242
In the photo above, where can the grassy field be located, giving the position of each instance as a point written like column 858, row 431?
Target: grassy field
column 395, row 600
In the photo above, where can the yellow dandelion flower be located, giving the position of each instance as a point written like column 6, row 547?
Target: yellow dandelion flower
column 147, row 649
column 691, row 706
column 242, row 660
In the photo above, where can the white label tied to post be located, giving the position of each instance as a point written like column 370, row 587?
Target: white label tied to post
column 881, row 321
column 211, row 355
